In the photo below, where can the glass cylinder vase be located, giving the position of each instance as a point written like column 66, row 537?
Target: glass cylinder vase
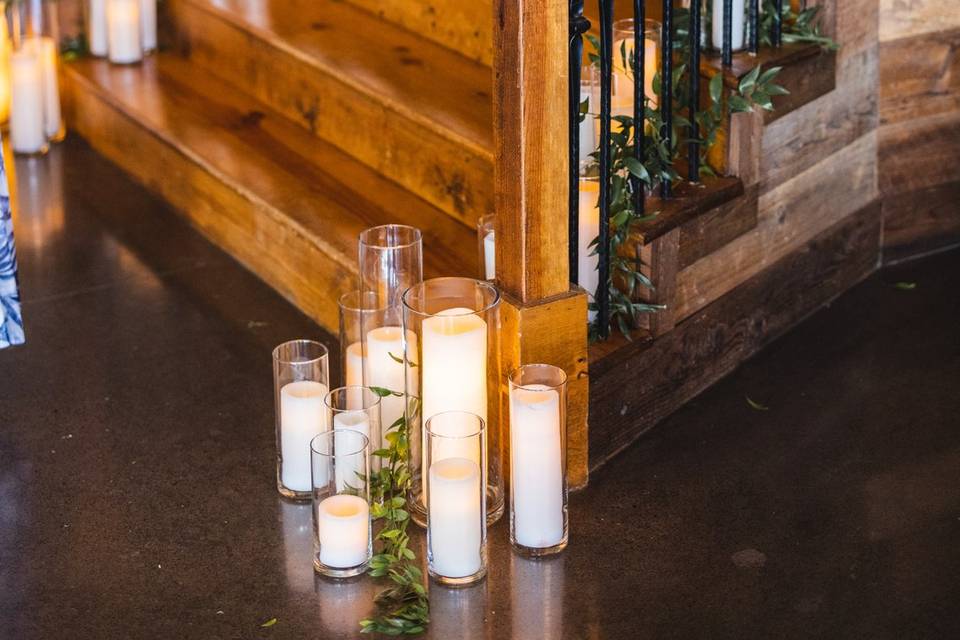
column 452, row 326
column 391, row 260
column 538, row 460
column 621, row 99
column 357, row 310
column 454, row 488
column 486, row 244
column 340, row 466
column 354, row 408
column 738, row 21
column 301, row 380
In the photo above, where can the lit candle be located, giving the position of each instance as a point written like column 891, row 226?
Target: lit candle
column 343, row 528
column 148, row 25
column 26, row 110
column 97, row 28
column 384, row 368
column 737, row 13
column 588, row 229
column 489, row 256
column 302, row 416
column 5, row 49
column 354, row 375
column 51, row 87
column 123, row 31
column 455, row 517
column 348, row 466
column 536, row 466
column 621, row 99
column 454, row 363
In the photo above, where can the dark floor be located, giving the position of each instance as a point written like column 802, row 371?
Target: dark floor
column 137, row 495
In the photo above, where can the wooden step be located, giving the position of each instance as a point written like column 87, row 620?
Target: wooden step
column 413, row 110
column 286, row 205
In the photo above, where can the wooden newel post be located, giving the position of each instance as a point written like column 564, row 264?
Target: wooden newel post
column 543, row 317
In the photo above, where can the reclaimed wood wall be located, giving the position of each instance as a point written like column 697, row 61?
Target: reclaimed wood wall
column 919, row 131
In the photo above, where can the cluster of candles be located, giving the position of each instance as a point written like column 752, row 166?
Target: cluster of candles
column 430, row 343
column 122, row 30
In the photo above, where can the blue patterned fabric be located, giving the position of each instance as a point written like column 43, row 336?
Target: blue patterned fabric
column 11, row 322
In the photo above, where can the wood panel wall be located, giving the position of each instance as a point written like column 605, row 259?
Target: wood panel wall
column 919, row 133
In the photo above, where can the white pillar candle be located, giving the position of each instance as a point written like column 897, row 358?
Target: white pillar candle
column 26, row 109
column 621, row 99
column 148, row 25
column 354, row 376
column 588, row 229
column 302, row 416
column 97, row 28
column 536, row 466
column 489, row 256
column 588, row 141
column 454, row 373
column 384, row 368
column 455, row 517
column 347, row 466
column 343, row 529
column 716, row 25
column 123, row 31
column 6, row 48
column 51, row 87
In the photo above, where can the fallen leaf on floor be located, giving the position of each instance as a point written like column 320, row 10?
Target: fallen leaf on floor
column 756, row 405
column 256, row 324
column 269, row 623
column 906, row 286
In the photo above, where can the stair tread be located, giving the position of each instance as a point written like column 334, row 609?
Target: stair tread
column 422, row 79
column 330, row 196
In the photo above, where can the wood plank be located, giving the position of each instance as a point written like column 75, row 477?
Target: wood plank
column 466, row 27
column 790, row 215
column 920, row 76
column 718, row 227
column 412, row 110
column 907, row 18
column 688, row 202
column 641, row 384
column 807, row 80
column 660, row 261
column 919, row 153
column 530, row 124
column 921, row 221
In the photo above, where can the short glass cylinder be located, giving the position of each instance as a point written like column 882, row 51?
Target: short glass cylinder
column 455, row 456
column 391, row 260
column 538, row 460
column 621, row 98
column 30, row 94
column 357, row 310
column 124, row 31
column 301, row 380
column 486, row 244
column 354, row 408
column 340, row 467
column 452, row 328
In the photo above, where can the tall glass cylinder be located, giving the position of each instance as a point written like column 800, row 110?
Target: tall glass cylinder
column 301, row 380
column 454, row 460
column 340, row 465
column 355, row 409
column 621, row 98
column 391, row 260
column 453, row 327
column 34, row 90
column 538, row 460
column 486, row 243
column 357, row 310
column 97, row 39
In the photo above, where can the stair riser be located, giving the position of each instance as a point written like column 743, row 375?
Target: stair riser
column 263, row 241
column 452, row 175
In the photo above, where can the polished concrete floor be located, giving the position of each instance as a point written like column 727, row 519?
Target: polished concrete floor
column 137, row 494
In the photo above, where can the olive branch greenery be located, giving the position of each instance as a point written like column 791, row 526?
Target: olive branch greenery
column 403, row 608
column 796, row 27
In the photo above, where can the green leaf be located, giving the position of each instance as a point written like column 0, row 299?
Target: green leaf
column 269, row 623
column 768, row 75
column 739, row 104
column 905, row 286
column 380, row 391
column 756, row 405
column 747, row 82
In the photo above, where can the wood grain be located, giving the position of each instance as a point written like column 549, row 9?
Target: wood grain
column 921, row 221
column 718, row 227
column 635, row 387
column 919, row 153
column 920, row 76
column 906, row 18
column 660, row 260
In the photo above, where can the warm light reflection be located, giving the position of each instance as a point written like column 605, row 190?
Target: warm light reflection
column 459, row 612
column 536, row 597
column 36, row 198
column 297, row 523
column 343, row 604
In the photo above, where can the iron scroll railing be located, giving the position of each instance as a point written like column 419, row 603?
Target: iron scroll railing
column 578, row 27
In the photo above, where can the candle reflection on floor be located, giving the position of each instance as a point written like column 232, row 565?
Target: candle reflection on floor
column 536, row 597
column 459, row 612
column 297, row 523
column 343, row 604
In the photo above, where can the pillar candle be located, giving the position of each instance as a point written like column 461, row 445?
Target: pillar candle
column 588, row 229
column 455, row 517
column 536, row 466
column 354, row 376
column 148, row 25
column 454, row 373
column 123, row 31
column 26, row 108
column 716, row 26
column 384, row 368
column 6, row 48
column 621, row 100
column 489, row 256
column 51, row 87
column 302, row 416
column 97, row 27
column 343, row 529
column 348, row 466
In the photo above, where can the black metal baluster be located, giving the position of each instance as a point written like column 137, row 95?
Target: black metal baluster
column 639, row 113
column 754, row 23
column 603, row 249
column 666, row 85
column 727, row 33
column 578, row 26
column 693, row 151
column 778, row 23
